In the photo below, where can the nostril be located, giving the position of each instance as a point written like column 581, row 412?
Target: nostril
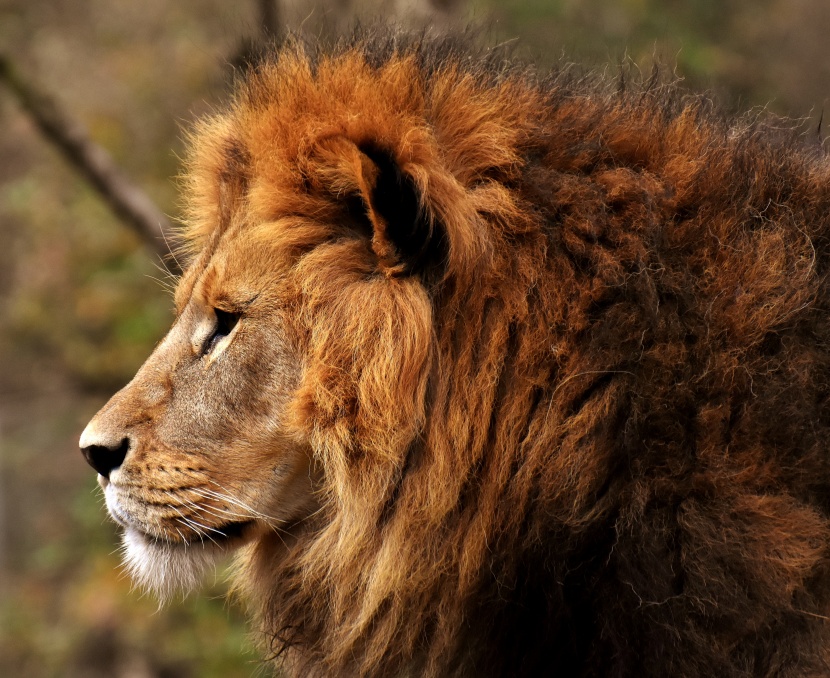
column 105, row 459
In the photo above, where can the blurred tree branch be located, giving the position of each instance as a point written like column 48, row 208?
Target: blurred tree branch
column 127, row 201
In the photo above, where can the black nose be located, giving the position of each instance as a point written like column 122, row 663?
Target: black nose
column 105, row 459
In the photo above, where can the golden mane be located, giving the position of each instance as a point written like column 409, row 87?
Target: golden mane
column 582, row 429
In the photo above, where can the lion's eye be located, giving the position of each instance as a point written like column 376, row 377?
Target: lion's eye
column 225, row 322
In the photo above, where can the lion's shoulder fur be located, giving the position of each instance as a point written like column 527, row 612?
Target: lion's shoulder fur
column 592, row 437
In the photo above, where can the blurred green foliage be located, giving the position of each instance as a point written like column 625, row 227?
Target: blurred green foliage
column 768, row 53
column 82, row 303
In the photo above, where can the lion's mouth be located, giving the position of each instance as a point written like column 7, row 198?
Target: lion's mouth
column 197, row 533
column 218, row 535
column 221, row 536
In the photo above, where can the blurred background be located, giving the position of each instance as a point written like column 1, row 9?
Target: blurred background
column 83, row 298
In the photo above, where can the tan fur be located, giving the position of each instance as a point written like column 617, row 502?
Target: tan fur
column 584, row 434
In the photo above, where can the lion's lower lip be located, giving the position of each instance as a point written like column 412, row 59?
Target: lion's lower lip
column 219, row 535
column 216, row 535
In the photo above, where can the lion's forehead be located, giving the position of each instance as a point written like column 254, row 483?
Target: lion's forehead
column 230, row 276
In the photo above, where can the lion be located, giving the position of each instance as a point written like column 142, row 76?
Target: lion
column 485, row 372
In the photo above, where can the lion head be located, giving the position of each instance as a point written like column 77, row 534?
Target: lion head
column 485, row 374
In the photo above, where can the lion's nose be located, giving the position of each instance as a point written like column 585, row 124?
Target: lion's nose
column 103, row 455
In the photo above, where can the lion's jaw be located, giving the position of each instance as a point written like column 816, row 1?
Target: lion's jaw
column 166, row 567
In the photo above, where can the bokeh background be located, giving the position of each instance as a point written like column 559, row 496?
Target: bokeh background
column 83, row 299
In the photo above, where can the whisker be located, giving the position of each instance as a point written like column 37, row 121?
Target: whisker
column 184, row 541
column 172, row 252
column 211, row 494
column 166, row 286
column 216, row 511
column 269, row 520
column 249, row 512
column 237, row 502
column 206, row 529
column 220, row 512
column 197, row 527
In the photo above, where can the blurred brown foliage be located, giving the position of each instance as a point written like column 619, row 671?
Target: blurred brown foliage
column 82, row 301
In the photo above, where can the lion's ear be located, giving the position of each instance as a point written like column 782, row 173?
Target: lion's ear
column 404, row 235
column 384, row 200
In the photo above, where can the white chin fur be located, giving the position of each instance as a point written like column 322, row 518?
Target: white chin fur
column 166, row 569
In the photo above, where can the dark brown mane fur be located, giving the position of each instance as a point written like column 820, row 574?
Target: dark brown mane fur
column 587, row 435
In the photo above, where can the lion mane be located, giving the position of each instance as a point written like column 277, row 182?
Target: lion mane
column 565, row 367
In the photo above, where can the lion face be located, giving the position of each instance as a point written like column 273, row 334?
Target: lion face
column 193, row 455
column 278, row 359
